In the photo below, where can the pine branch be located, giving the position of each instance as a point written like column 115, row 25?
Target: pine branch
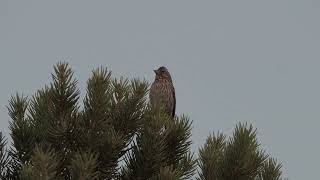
column 40, row 114
column 177, row 137
column 98, row 134
column 22, row 133
column 186, row 167
column 4, row 158
column 242, row 158
column 148, row 154
column 43, row 166
column 157, row 149
column 271, row 170
column 210, row 157
column 109, row 149
column 97, row 103
column 128, row 105
column 167, row 173
column 65, row 93
column 83, row 166
column 64, row 133
column 112, row 114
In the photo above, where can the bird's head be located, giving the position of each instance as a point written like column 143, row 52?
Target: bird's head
column 162, row 73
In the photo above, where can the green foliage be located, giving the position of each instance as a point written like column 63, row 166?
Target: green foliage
column 271, row 170
column 43, row 166
column 116, row 134
column 22, row 134
column 210, row 156
column 237, row 158
column 4, row 158
column 83, row 166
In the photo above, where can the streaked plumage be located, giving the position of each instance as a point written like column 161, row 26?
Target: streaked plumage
column 162, row 89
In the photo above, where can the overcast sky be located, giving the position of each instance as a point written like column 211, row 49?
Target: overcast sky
column 231, row 61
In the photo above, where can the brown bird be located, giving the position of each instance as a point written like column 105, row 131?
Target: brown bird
column 162, row 90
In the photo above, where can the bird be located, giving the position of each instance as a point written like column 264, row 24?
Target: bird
column 162, row 90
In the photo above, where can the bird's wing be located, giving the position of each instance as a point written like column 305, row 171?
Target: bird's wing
column 174, row 101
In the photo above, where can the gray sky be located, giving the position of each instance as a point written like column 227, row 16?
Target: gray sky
column 231, row 61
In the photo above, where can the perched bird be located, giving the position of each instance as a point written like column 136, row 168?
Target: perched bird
column 162, row 90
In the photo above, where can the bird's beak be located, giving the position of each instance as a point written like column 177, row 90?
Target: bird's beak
column 155, row 71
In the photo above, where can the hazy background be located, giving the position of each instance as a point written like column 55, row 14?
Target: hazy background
column 231, row 61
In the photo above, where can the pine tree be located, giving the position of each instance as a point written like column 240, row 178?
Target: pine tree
column 116, row 134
